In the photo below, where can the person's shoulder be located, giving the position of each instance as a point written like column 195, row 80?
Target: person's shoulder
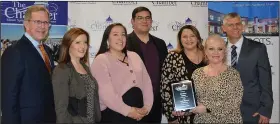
column 130, row 34
column 61, row 67
column 253, row 42
column 101, row 56
column 13, row 50
column 132, row 54
column 157, row 39
column 233, row 70
column 198, row 72
column 173, row 54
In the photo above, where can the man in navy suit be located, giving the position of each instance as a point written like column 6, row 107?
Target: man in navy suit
column 251, row 60
column 26, row 91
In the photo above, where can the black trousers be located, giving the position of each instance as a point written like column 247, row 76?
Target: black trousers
column 133, row 97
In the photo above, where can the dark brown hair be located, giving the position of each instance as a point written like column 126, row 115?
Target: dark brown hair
column 140, row 9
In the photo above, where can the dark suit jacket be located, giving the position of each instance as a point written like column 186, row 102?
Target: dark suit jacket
column 27, row 95
column 255, row 71
column 134, row 45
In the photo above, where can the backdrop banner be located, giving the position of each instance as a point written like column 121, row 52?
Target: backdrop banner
column 168, row 18
column 261, row 20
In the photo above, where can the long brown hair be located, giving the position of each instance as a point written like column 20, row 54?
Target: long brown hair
column 66, row 42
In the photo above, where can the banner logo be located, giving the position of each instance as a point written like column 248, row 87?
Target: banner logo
column 170, row 46
column 155, row 26
column 101, row 26
column 176, row 25
column 13, row 12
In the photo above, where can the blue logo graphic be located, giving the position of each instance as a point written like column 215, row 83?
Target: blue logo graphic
column 13, row 12
column 169, row 46
column 101, row 26
column 176, row 25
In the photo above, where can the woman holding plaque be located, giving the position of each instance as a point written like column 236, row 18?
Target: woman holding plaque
column 218, row 86
column 179, row 66
column 125, row 88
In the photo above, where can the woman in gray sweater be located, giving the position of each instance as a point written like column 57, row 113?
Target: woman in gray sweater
column 75, row 90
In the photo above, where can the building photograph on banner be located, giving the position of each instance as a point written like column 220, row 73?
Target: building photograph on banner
column 261, row 21
column 12, row 28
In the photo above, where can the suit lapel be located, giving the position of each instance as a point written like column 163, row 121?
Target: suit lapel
column 35, row 52
column 243, row 54
column 32, row 49
column 134, row 45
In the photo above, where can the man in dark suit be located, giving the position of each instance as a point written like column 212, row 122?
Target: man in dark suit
column 251, row 60
column 27, row 95
column 152, row 51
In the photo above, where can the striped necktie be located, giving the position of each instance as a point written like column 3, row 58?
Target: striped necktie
column 233, row 56
column 46, row 57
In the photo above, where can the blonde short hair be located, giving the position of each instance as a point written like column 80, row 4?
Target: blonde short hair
column 215, row 37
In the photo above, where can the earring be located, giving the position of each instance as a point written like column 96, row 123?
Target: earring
column 108, row 44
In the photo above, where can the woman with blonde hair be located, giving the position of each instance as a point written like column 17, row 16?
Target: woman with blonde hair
column 218, row 86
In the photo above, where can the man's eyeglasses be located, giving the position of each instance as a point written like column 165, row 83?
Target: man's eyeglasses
column 141, row 18
column 38, row 22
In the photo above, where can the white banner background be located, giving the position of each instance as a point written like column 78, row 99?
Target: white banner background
column 168, row 17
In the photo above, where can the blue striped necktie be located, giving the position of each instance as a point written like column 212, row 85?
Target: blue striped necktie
column 233, row 56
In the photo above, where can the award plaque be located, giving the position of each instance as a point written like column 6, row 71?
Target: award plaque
column 183, row 95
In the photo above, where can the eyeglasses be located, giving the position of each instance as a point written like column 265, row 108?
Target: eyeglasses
column 38, row 22
column 233, row 25
column 141, row 18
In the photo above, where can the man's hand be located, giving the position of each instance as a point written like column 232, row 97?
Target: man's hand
column 263, row 119
column 134, row 114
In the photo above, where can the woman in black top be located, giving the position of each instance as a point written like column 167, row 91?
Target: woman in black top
column 178, row 66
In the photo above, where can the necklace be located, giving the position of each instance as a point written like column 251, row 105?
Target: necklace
column 122, row 56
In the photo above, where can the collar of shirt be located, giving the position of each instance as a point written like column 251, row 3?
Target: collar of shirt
column 34, row 42
column 238, row 44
